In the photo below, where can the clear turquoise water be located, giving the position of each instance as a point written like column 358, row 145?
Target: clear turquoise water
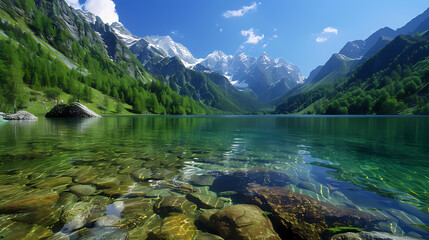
column 378, row 163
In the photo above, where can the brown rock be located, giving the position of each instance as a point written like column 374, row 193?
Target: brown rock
column 55, row 182
column 46, row 216
column 30, row 203
column 243, row 222
column 302, row 217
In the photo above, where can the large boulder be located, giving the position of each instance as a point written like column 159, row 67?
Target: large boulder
column 300, row 217
column 243, row 222
column 72, row 110
column 21, row 115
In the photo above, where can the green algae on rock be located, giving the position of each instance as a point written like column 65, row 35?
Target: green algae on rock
column 299, row 216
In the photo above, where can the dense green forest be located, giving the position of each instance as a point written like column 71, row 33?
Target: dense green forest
column 24, row 61
column 394, row 81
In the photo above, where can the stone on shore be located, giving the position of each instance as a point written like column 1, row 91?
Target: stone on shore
column 21, row 115
column 72, row 110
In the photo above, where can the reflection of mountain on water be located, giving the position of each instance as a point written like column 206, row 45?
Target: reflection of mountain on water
column 69, row 124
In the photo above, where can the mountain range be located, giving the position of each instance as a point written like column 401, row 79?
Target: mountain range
column 76, row 52
column 268, row 78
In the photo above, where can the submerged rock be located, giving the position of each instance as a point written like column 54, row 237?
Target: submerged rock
column 141, row 232
column 169, row 204
column 301, row 217
column 205, row 216
column 238, row 180
column 86, row 177
column 207, row 236
column 83, row 190
column 243, row 222
column 202, row 180
column 18, row 230
column 72, row 110
column 141, row 174
column 21, row 115
column 107, row 182
column 107, row 221
column 175, row 227
column 382, row 236
column 205, row 201
column 76, row 216
column 54, row 182
column 107, row 233
column 45, row 216
column 66, row 200
column 30, row 203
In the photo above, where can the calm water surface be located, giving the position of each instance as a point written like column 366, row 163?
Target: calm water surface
column 380, row 164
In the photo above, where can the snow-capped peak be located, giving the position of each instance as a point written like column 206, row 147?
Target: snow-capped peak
column 89, row 17
column 265, row 59
column 173, row 49
column 124, row 34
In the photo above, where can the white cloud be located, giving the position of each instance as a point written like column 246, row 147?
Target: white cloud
column 220, row 30
column 240, row 12
column 275, row 36
column 326, row 34
column 321, row 39
column 252, row 38
column 330, row 30
column 74, row 4
column 275, row 30
column 105, row 9
column 265, row 45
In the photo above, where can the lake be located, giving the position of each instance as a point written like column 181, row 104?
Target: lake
column 377, row 165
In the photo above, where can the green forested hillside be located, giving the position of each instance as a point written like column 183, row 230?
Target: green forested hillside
column 394, row 81
column 210, row 88
column 39, row 51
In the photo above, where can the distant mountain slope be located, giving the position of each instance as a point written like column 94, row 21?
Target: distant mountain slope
column 267, row 77
column 355, row 53
column 163, row 45
column 207, row 87
column 393, row 81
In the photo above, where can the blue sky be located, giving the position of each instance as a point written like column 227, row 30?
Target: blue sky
column 306, row 33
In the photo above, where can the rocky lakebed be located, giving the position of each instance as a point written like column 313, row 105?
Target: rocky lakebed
column 125, row 202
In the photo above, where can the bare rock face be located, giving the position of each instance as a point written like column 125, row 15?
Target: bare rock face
column 243, row 222
column 302, row 217
column 21, row 115
column 72, row 110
